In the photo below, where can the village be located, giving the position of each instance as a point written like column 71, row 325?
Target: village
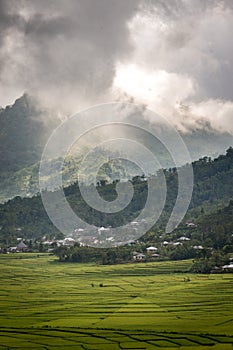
column 180, row 245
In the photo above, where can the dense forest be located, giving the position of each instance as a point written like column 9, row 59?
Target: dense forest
column 213, row 190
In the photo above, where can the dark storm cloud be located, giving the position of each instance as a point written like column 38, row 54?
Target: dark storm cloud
column 68, row 53
column 7, row 20
column 74, row 44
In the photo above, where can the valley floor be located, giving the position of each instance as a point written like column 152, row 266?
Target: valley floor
column 49, row 305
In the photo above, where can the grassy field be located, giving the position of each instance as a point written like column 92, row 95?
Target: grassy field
column 48, row 305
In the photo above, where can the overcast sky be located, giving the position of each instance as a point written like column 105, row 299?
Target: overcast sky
column 174, row 56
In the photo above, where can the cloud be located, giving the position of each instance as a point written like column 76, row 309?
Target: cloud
column 62, row 50
column 189, row 44
column 218, row 113
column 175, row 57
column 154, row 88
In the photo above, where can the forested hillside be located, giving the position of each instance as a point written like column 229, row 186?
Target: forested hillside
column 213, row 189
column 217, row 228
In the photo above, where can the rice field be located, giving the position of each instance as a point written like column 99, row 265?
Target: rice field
column 49, row 305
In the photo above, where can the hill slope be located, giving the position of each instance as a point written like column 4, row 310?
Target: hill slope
column 213, row 190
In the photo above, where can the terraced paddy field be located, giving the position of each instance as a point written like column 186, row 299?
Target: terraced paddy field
column 48, row 305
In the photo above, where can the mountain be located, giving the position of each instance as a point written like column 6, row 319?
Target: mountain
column 25, row 127
column 213, row 190
column 24, row 182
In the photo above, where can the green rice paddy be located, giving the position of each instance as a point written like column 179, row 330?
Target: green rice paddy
column 48, row 305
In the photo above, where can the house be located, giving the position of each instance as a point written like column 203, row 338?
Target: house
column 228, row 268
column 198, row 247
column 48, row 242
column 131, row 242
column 134, row 223
column 190, row 224
column 101, row 229
column 155, row 256
column 139, row 257
column 13, row 249
column 21, row 247
column 68, row 241
column 151, row 250
column 78, row 230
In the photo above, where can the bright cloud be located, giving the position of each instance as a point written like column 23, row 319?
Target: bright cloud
column 182, row 62
column 159, row 89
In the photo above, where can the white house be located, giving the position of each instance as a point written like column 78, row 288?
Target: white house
column 151, row 250
column 68, row 241
column 139, row 257
column 190, row 224
column 198, row 247
column 228, row 267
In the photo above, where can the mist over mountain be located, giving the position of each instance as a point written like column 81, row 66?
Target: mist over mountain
column 207, row 142
column 26, row 126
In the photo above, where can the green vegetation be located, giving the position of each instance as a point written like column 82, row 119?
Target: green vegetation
column 213, row 234
column 217, row 228
column 25, row 182
column 213, row 189
column 49, row 305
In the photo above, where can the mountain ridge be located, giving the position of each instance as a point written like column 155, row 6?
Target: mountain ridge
column 25, row 127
